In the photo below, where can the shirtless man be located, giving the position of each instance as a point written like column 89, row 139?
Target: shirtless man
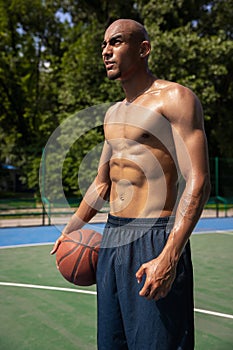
column 144, row 273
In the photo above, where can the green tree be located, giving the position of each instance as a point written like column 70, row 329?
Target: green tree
column 192, row 45
column 30, row 42
column 50, row 67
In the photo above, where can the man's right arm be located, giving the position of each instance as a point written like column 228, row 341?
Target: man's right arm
column 94, row 199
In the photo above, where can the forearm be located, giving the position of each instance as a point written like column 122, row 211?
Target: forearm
column 92, row 202
column 83, row 215
column 187, row 215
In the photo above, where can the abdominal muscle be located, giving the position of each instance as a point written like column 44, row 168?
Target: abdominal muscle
column 142, row 166
column 137, row 192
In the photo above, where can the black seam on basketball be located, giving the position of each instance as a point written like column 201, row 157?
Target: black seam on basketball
column 80, row 257
column 92, row 247
column 67, row 254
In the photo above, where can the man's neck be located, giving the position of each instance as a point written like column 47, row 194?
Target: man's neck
column 137, row 86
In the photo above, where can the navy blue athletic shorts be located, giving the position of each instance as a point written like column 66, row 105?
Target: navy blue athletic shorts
column 127, row 320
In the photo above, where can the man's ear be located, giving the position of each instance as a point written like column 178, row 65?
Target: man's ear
column 145, row 49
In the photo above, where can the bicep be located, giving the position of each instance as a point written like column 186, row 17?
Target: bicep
column 190, row 140
column 191, row 152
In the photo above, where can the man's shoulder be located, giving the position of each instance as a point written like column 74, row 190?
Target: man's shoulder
column 178, row 102
column 172, row 94
column 167, row 87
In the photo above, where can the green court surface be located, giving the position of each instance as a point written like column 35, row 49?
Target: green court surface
column 59, row 319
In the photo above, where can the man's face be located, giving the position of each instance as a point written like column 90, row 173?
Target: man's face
column 120, row 53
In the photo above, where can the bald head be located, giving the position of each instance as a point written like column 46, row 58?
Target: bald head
column 134, row 29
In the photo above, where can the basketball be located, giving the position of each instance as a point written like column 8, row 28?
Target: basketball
column 77, row 256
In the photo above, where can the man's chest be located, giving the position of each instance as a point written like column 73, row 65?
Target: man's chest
column 131, row 125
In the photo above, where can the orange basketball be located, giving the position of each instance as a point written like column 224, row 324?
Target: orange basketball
column 77, row 256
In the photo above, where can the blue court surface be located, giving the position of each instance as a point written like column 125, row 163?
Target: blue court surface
column 18, row 236
column 14, row 236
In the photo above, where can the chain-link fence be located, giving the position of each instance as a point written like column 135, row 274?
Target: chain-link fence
column 221, row 172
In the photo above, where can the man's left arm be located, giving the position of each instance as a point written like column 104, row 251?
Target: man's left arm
column 184, row 112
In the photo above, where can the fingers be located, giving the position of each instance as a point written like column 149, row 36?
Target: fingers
column 140, row 273
column 57, row 243
column 145, row 291
column 158, row 280
column 148, row 291
column 153, row 293
column 55, row 247
column 157, row 294
column 154, row 290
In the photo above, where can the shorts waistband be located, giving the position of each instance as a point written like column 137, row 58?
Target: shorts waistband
column 141, row 222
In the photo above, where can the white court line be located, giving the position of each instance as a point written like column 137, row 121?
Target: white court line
column 25, row 245
column 36, row 286
column 213, row 313
column 227, row 232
